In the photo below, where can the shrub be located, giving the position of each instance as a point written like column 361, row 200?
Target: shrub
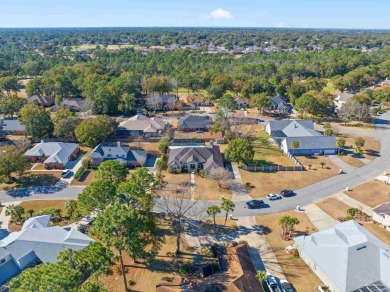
column 349, row 217
column 167, row 278
column 184, row 270
column 214, row 250
column 215, row 266
column 79, row 172
column 201, row 172
column 293, row 252
column 243, row 242
column 352, row 211
column 248, row 184
column 171, row 170
column 327, row 125
column 86, row 163
column 161, row 164
column 131, row 282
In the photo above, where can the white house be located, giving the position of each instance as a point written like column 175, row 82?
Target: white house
column 381, row 214
column 347, row 258
column 36, row 243
column 342, row 98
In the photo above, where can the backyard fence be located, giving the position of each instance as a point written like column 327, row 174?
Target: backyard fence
column 271, row 168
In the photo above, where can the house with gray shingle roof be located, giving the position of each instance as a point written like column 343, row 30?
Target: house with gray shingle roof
column 11, row 127
column 342, row 98
column 142, row 126
column 195, row 158
column 347, row 258
column 381, row 214
column 41, row 100
column 310, row 141
column 53, row 154
column 279, row 104
column 194, row 123
column 37, row 242
column 124, row 154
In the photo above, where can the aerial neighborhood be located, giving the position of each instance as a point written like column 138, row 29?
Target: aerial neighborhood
column 186, row 160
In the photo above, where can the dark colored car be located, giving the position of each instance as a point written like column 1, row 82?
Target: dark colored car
column 286, row 286
column 253, row 204
column 286, row 193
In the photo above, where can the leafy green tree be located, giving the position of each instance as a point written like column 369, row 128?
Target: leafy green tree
column 263, row 102
column 227, row 101
column 11, row 105
column 163, row 145
column 35, row 87
column 328, row 132
column 213, row 210
column 37, row 121
column 15, row 212
column 159, row 84
column 65, row 123
column 215, row 91
column 127, row 104
column 359, row 143
column 99, row 194
column 12, row 160
column 296, row 90
column 227, row 206
column 31, row 212
column 71, row 207
column 240, row 150
column 9, row 84
column 112, row 171
column 340, row 143
column 91, row 132
column 307, row 103
column 127, row 231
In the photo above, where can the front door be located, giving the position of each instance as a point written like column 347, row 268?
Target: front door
column 192, row 166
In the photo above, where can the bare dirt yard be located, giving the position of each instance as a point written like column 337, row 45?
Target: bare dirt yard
column 335, row 208
column 177, row 183
column 264, row 183
column 305, row 279
column 372, row 193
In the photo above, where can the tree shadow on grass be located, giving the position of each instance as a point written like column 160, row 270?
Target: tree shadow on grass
column 84, row 176
column 36, row 180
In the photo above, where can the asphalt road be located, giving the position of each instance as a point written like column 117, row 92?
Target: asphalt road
column 303, row 196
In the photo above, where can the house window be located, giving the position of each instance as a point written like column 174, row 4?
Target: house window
column 184, row 165
column 200, row 166
column 108, row 155
column 2, row 261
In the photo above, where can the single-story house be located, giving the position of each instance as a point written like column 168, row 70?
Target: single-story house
column 73, row 104
column 53, row 154
column 310, row 141
column 195, row 158
column 342, row 98
column 241, row 102
column 192, row 101
column 381, row 214
column 279, row 104
column 347, row 258
column 37, row 242
column 124, row 154
column 41, row 100
column 194, row 123
column 142, row 126
column 155, row 101
column 11, row 127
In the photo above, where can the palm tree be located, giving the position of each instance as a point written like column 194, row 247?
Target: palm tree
column 262, row 276
column 213, row 210
column 30, row 212
column 58, row 212
column 284, row 223
column 15, row 212
column 340, row 143
column 322, row 164
column 227, row 206
column 292, row 222
column 295, row 145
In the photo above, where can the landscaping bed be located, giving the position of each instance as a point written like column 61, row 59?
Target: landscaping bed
column 305, row 279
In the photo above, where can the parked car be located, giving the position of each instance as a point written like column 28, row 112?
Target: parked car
column 286, row 193
column 272, row 283
column 65, row 173
column 274, row 196
column 286, row 286
column 253, row 204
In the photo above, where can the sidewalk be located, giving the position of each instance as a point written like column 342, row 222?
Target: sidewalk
column 238, row 188
column 320, row 219
column 353, row 203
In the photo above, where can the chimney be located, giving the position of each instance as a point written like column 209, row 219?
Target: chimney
column 118, row 144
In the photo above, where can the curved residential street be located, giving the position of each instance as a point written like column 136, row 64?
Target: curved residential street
column 304, row 196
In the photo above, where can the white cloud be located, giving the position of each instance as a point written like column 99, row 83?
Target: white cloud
column 220, row 14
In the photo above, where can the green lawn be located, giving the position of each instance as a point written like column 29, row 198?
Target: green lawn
column 329, row 86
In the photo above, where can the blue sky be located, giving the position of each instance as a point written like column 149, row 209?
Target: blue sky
column 221, row 13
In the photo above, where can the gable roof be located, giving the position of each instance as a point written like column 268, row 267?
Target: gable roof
column 348, row 254
column 41, row 100
column 277, row 127
column 278, row 101
column 44, row 241
column 383, row 209
column 312, row 142
column 345, row 96
column 57, row 152
column 142, row 123
column 240, row 99
column 118, row 151
column 194, row 122
column 11, row 125
column 209, row 156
